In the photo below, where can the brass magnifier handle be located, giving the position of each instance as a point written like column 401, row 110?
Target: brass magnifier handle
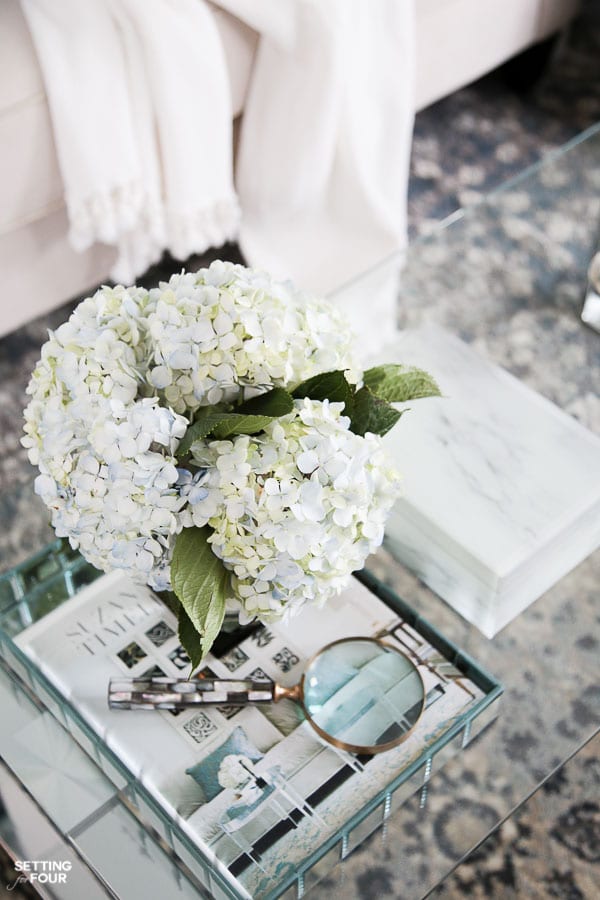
column 172, row 693
column 287, row 693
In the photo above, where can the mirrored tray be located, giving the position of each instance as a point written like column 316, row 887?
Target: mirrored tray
column 242, row 856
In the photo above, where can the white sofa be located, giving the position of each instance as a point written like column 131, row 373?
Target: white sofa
column 457, row 42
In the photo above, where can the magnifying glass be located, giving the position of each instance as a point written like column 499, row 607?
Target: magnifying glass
column 359, row 694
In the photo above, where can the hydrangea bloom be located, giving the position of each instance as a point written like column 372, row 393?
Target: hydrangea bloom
column 112, row 484
column 228, row 331
column 116, row 387
column 296, row 509
column 235, row 771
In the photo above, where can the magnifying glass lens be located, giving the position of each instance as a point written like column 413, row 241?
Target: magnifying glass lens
column 363, row 695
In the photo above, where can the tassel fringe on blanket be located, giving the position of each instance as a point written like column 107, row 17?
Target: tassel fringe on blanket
column 141, row 111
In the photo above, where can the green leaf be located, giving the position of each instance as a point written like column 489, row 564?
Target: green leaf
column 170, row 601
column 328, row 386
column 228, row 424
column 254, row 415
column 248, row 418
column 200, row 581
column 204, row 424
column 274, row 403
column 397, row 384
column 189, row 638
column 372, row 414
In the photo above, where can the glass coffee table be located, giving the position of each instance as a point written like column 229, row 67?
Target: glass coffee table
column 507, row 276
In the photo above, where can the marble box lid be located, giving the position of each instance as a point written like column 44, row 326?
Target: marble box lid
column 502, row 488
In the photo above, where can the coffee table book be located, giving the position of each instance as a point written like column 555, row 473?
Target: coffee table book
column 310, row 804
column 501, row 487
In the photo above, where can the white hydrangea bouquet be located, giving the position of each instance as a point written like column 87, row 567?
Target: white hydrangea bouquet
column 215, row 438
column 235, row 772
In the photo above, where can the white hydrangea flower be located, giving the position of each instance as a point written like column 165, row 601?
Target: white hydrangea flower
column 235, row 771
column 113, row 491
column 298, row 508
column 228, row 331
column 104, row 450
column 116, row 389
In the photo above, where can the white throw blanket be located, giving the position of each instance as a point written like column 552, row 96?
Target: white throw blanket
column 141, row 110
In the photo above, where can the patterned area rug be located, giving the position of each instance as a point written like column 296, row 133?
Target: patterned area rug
column 469, row 143
column 464, row 146
column 549, row 848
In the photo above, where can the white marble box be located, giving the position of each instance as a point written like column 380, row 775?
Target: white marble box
column 502, row 488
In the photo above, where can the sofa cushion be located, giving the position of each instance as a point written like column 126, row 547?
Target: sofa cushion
column 458, row 41
column 206, row 772
column 30, row 180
